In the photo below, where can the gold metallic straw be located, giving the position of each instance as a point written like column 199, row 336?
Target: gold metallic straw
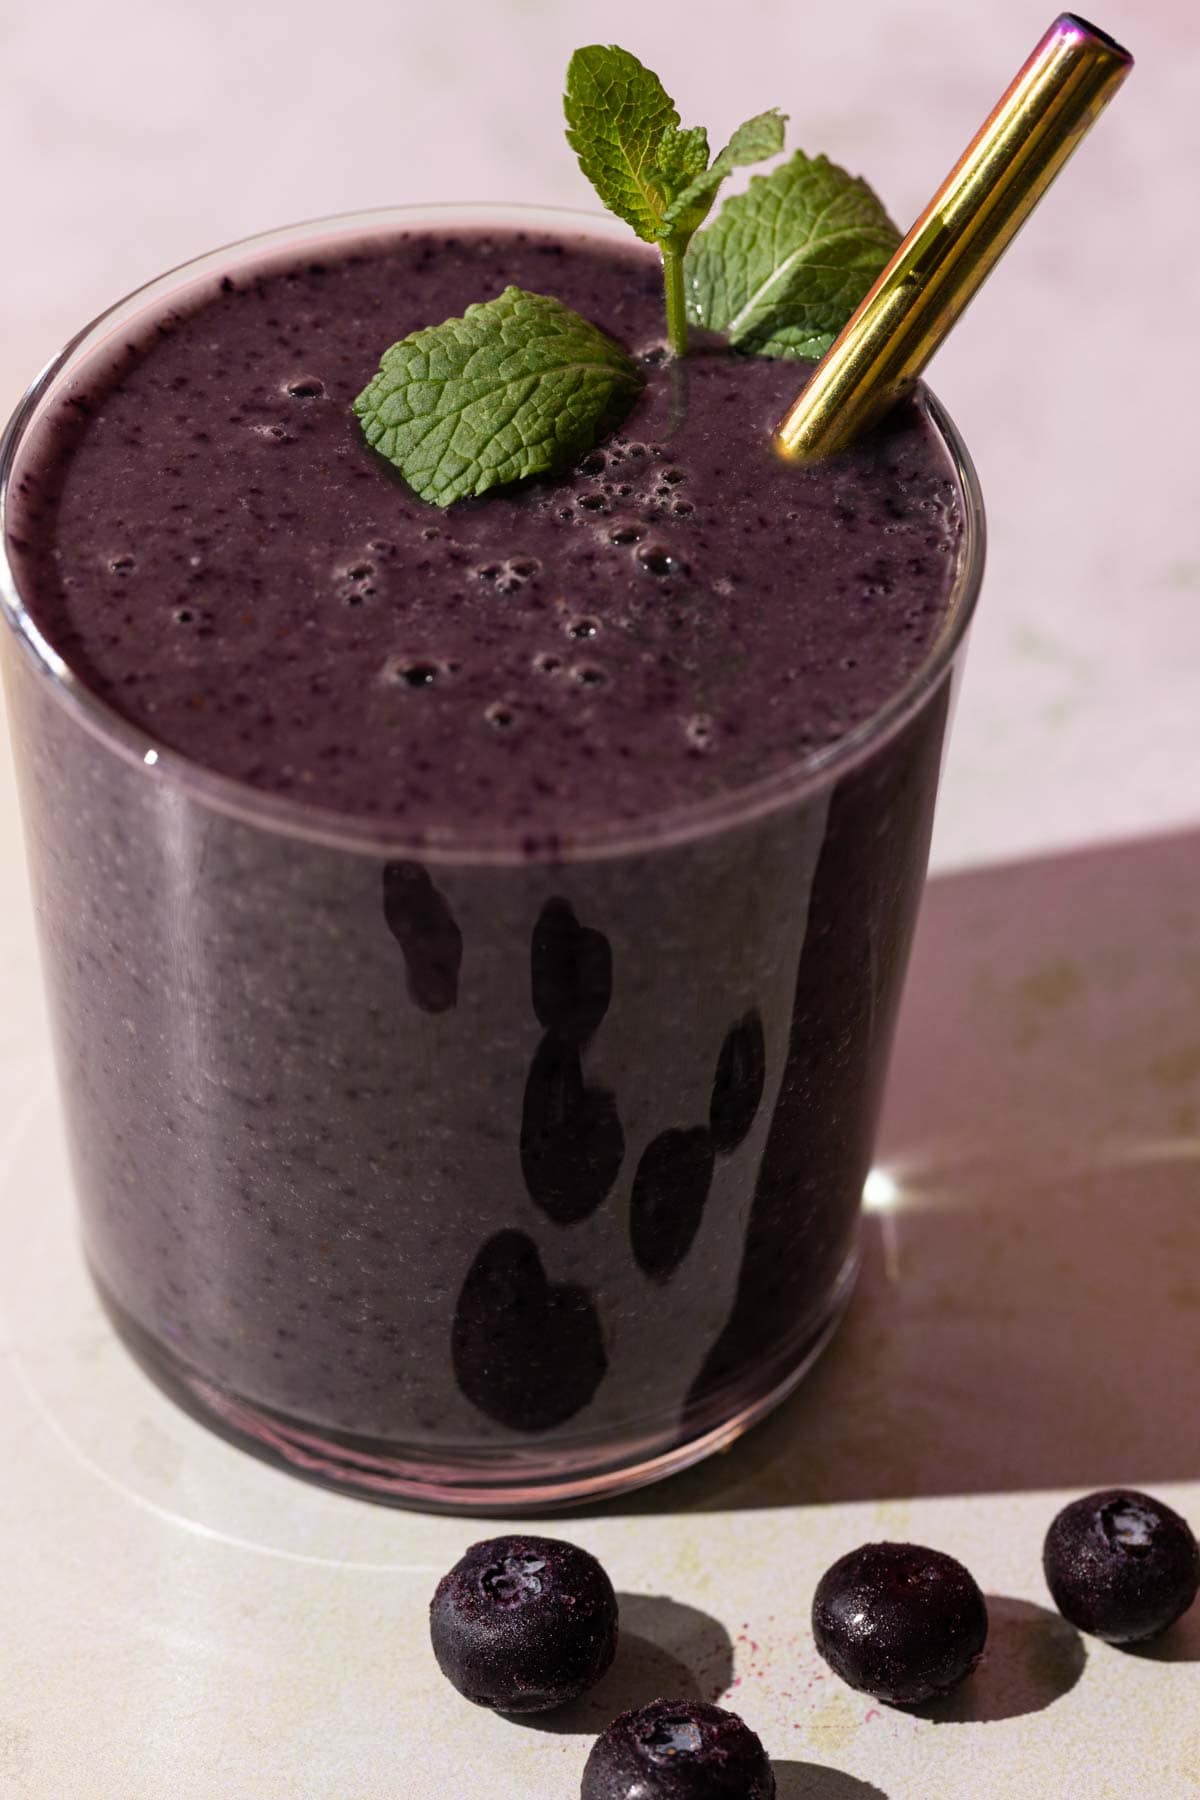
column 987, row 196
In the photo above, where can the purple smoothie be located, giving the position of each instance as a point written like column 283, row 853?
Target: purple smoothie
column 228, row 564
column 494, row 1120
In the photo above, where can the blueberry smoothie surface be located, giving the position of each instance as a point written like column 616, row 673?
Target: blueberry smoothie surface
column 226, row 562
column 508, row 1145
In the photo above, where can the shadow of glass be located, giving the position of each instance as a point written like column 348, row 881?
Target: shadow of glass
column 1029, row 1310
column 1033, row 1658
column 813, row 1781
column 666, row 1650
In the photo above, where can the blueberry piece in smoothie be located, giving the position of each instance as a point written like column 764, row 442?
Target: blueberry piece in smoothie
column 570, row 973
column 738, row 1084
column 669, row 1193
column 524, row 1624
column 527, row 1353
column 572, row 1143
column 421, row 922
column 1121, row 1565
column 678, row 1750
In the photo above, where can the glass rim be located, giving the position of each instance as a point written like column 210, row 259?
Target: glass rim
column 335, row 829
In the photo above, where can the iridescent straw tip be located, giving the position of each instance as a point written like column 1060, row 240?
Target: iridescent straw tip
column 1056, row 97
column 1072, row 22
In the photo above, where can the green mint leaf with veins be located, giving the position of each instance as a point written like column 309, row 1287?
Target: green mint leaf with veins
column 681, row 158
column 518, row 386
column 785, row 264
column 651, row 171
column 622, row 125
column 756, row 140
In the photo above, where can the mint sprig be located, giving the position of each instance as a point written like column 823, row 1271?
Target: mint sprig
column 517, row 386
column 652, row 172
column 785, row 264
column 522, row 385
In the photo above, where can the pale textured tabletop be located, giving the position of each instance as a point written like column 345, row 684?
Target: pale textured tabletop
column 181, row 1623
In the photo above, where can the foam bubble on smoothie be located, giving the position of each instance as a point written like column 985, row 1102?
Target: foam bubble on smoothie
column 305, row 387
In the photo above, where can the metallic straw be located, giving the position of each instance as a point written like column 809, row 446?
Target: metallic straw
column 988, row 195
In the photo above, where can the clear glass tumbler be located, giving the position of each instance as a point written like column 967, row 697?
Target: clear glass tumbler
column 463, row 1176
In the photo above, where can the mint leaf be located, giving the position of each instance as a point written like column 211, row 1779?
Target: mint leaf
column 682, row 155
column 786, row 263
column 756, row 140
column 618, row 116
column 518, row 386
column 682, row 152
column 647, row 168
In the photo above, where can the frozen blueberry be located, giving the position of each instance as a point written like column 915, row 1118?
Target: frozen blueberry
column 1121, row 1565
column 523, row 1624
column 902, row 1623
column 678, row 1750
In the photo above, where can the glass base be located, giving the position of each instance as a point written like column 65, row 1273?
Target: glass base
column 511, row 1479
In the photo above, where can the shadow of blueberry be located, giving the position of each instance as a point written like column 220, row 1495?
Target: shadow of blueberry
column 813, row 1781
column 669, row 1192
column 526, row 1352
column 570, row 968
column 421, row 922
column 1033, row 1657
column 738, row 1084
column 665, row 1647
column 572, row 1143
